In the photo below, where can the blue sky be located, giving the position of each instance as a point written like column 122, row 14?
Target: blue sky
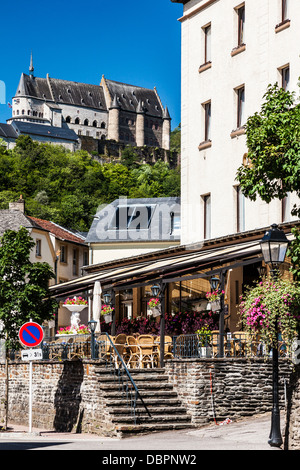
column 134, row 41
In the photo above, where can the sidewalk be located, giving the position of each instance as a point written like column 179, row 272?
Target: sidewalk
column 247, row 434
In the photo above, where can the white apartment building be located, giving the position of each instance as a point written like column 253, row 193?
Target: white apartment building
column 231, row 52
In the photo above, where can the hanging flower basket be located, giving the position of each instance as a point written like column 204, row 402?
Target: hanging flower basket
column 155, row 312
column 108, row 318
column 214, row 300
column 107, row 313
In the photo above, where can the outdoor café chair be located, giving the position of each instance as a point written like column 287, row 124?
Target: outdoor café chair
column 134, row 355
column 146, row 344
column 168, row 347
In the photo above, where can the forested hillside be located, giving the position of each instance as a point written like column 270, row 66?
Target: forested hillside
column 67, row 188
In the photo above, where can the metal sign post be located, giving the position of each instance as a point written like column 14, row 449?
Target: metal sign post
column 31, row 335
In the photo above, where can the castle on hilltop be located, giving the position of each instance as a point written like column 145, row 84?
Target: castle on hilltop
column 117, row 111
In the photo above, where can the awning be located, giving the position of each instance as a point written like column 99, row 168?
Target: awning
column 179, row 266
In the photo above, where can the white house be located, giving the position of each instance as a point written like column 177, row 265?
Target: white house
column 231, row 51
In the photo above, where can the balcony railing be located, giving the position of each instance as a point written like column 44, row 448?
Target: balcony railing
column 187, row 346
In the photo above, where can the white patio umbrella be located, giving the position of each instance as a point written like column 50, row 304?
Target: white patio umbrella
column 97, row 304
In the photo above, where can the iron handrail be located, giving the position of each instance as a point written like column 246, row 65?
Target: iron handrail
column 137, row 393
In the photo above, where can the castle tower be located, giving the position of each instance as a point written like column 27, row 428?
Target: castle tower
column 140, row 125
column 114, row 120
column 166, row 130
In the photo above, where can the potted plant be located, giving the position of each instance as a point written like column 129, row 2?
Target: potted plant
column 204, row 337
column 75, row 304
column 270, row 307
column 107, row 313
column 68, row 330
column 214, row 303
column 154, row 306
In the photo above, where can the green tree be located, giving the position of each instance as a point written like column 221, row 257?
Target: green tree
column 24, row 286
column 273, row 169
column 273, row 141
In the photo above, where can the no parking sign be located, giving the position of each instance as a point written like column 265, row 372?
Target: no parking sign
column 31, row 334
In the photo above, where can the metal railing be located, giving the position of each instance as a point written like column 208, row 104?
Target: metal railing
column 118, row 368
column 183, row 346
column 189, row 346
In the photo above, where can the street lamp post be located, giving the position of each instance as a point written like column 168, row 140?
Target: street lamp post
column 92, row 325
column 274, row 245
column 158, row 291
column 109, row 298
column 216, row 283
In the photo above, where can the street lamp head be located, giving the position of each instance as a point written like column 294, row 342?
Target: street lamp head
column 214, row 283
column 92, row 325
column 155, row 290
column 274, row 246
column 107, row 297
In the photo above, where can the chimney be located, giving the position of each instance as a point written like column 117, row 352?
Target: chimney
column 18, row 205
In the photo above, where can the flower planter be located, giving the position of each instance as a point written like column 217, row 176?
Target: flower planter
column 155, row 312
column 216, row 305
column 75, row 308
column 108, row 318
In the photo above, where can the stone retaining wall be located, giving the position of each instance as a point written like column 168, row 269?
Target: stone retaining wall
column 67, row 395
column 230, row 388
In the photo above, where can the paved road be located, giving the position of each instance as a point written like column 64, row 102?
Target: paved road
column 247, row 434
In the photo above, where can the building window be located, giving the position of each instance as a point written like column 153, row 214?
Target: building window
column 63, row 254
column 285, row 77
column 207, row 44
column 240, row 106
column 240, row 210
column 241, row 25
column 38, row 248
column 207, row 216
column 207, row 121
column 77, row 120
column 86, row 122
column 68, row 119
column 75, row 262
column 85, row 258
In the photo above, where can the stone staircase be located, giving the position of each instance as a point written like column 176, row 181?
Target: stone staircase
column 166, row 409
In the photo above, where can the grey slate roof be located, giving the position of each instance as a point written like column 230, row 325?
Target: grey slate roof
column 7, row 131
column 129, row 96
column 13, row 220
column 138, row 220
column 62, row 91
column 58, row 133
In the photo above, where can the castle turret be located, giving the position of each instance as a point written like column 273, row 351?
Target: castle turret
column 114, row 120
column 166, row 130
column 140, row 125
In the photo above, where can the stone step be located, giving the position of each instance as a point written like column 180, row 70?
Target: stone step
column 152, row 410
column 161, row 400
column 142, row 387
column 136, row 378
column 167, row 394
column 145, row 419
column 131, row 430
column 148, row 401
